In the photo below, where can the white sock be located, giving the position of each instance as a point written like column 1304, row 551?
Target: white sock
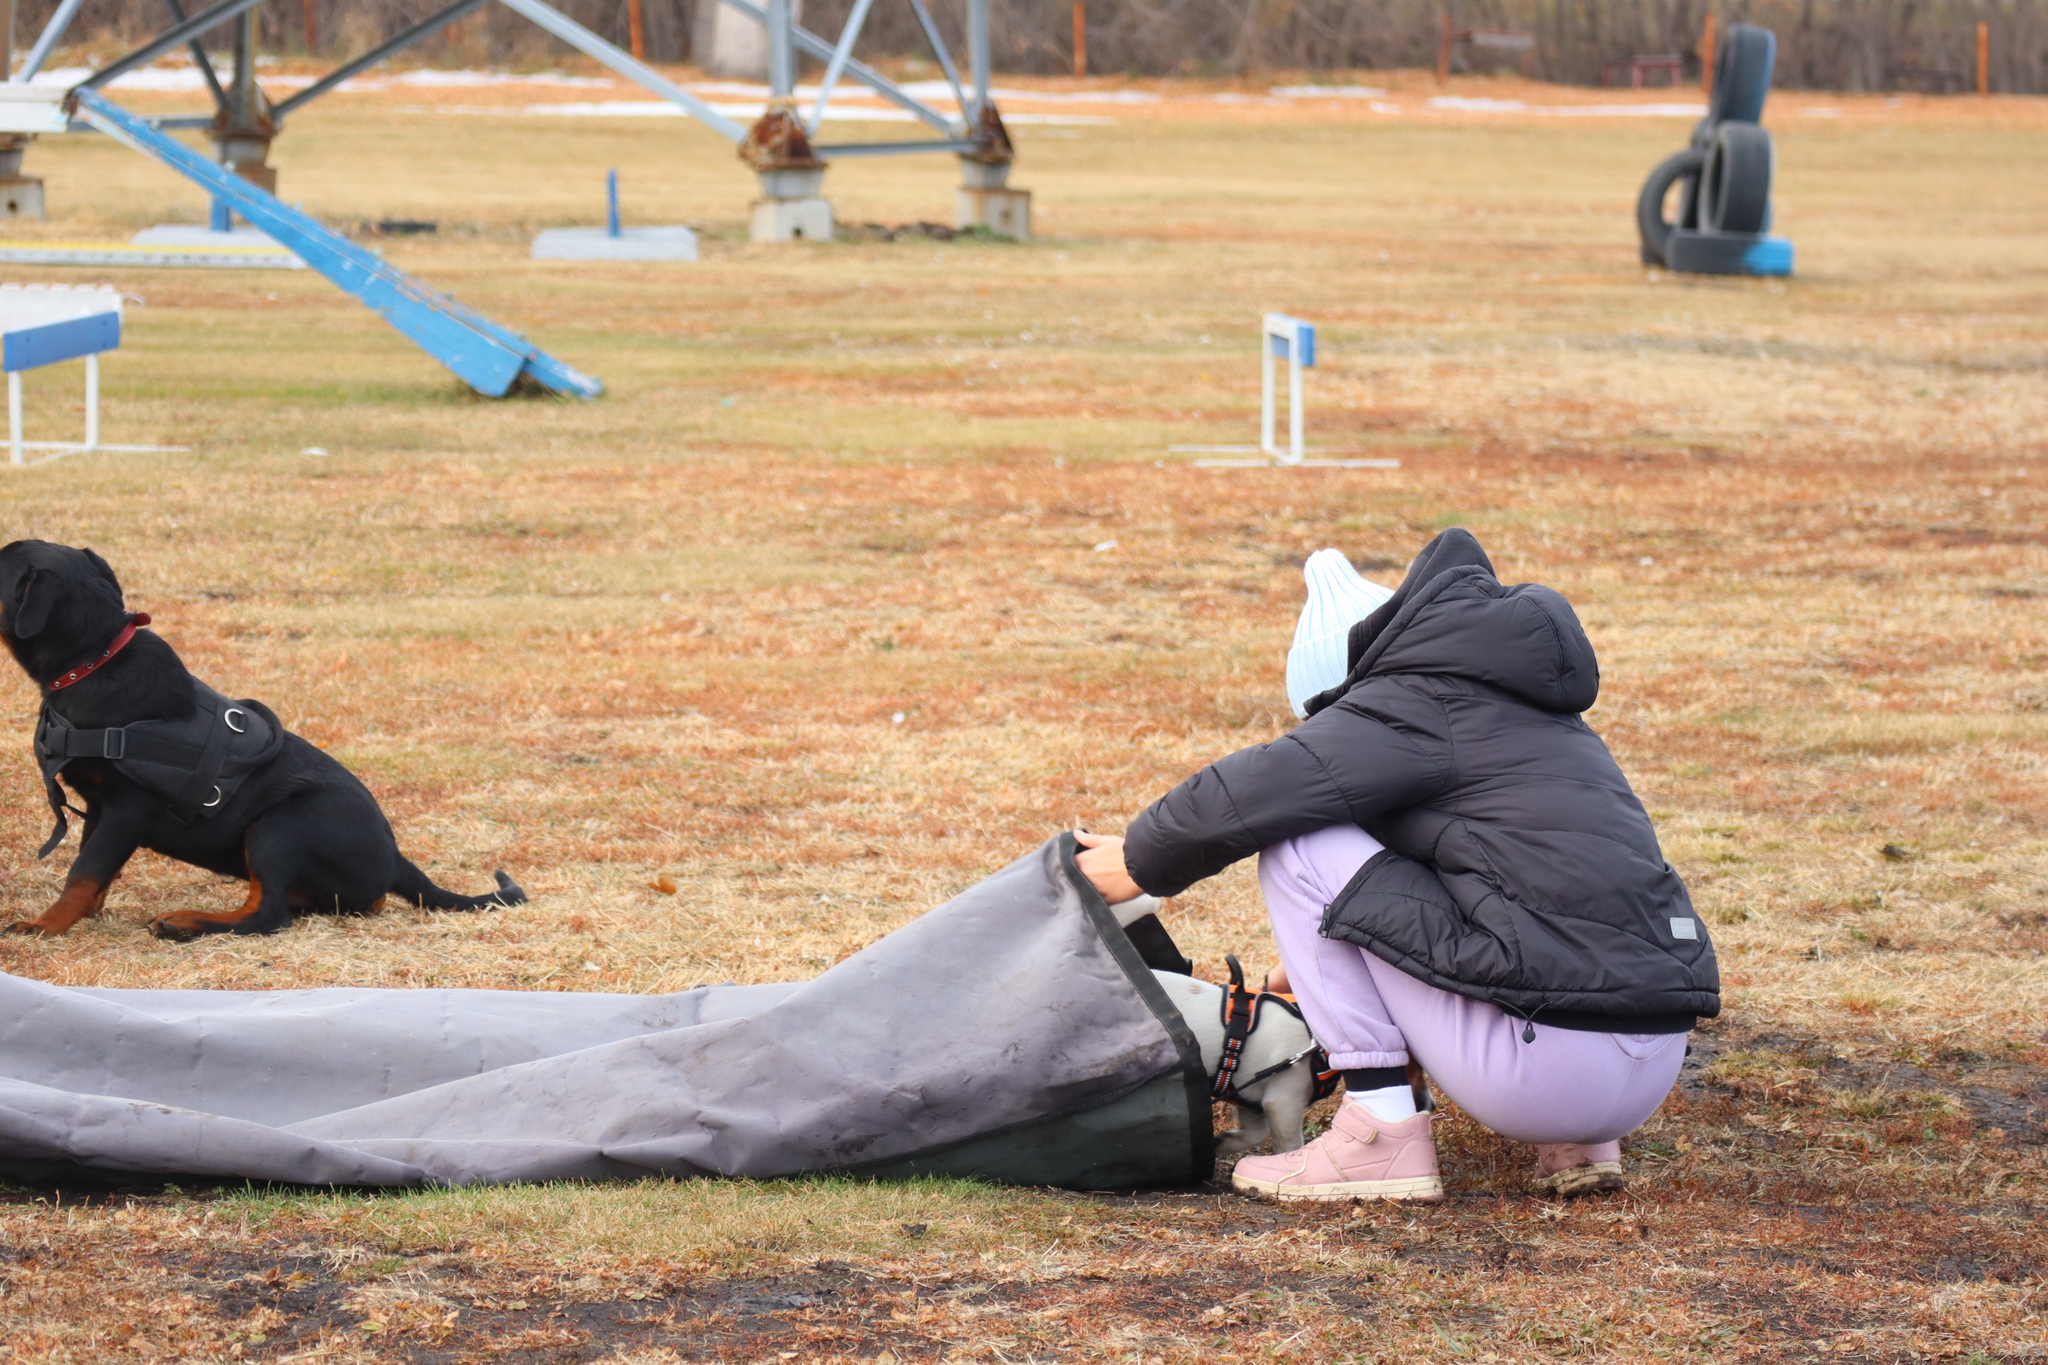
column 1389, row 1104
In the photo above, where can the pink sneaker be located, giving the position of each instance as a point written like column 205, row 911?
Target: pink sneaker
column 1361, row 1157
column 1570, row 1169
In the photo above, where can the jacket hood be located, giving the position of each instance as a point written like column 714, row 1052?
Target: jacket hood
column 1453, row 616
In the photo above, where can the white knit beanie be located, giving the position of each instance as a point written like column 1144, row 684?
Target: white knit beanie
column 1338, row 599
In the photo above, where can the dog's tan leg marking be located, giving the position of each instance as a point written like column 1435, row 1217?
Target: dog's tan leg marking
column 80, row 900
column 182, row 926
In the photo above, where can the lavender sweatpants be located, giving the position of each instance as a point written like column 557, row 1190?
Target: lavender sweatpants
column 1564, row 1087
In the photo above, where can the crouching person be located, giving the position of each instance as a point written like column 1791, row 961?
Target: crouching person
column 1457, row 872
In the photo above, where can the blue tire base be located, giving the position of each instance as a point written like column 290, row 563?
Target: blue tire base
column 1728, row 253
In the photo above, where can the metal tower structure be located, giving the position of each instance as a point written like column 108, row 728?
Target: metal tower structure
column 782, row 147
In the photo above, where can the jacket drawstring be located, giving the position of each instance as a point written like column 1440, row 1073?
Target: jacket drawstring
column 1528, row 1018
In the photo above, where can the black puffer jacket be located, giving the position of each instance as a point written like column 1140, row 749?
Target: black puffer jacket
column 1519, row 866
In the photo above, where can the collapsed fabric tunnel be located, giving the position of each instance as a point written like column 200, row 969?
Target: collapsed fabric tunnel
column 1015, row 1033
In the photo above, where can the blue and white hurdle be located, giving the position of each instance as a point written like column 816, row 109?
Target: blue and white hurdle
column 45, row 324
column 1289, row 337
column 1282, row 335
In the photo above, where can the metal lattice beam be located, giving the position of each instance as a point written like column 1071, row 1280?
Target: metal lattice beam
column 53, row 33
column 376, row 56
column 841, row 64
column 858, row 70
column 199, row 57
column 175, row 36
column 638, row 72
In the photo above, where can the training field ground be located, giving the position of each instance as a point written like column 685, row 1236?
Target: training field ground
column 872, row 570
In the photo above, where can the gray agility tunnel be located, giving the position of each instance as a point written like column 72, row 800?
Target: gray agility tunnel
column 1015, row 1034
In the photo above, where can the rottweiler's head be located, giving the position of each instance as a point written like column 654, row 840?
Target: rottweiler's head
column 57, row 604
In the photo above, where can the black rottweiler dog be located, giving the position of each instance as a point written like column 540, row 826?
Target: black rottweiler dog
column 164, row 762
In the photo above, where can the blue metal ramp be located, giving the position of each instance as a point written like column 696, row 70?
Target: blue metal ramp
column 482, row 354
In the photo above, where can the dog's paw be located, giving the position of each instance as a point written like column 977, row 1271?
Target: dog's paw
column 1235, row 1142
column 175, row 929
column 27, row 926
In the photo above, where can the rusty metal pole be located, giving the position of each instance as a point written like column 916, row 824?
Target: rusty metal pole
column 1443, row 53
column 310, row 17
column 243, row 128
column 243, row 93
column 1080, row 39
column 1983, row 56
column 1707, row 58
column 985, row 198
column 636, row 29
column 791, row 173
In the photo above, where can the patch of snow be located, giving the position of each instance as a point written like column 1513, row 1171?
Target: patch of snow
column 931, row 92
column 463, row 79
column 1622, row 110
column 1467, row 105
column 1470, row 105
column 749, row 112
column 187, row 77
column 1022, row 120
column 1327, row 92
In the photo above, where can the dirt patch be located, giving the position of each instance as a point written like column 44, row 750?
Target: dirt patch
column 2008, row 1096
column 1214, row 1284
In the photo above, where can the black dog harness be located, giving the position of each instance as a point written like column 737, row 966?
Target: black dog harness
column 1241, row 1008
column 195, row 764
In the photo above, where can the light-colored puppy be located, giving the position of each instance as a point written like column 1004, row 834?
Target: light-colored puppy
column 1279, row 1039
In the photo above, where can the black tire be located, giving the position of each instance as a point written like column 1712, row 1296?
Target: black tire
column 1735, row 183
column 1709, row 253
column 1742, row 75
column 1650, row 221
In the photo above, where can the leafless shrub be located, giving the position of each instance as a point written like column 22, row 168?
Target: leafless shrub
column 1857, row 45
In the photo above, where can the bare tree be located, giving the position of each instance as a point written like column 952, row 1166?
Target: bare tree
column 1823, row 44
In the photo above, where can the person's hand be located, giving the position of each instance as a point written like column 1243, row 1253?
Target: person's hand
column 1102, row 863
column 1276, row 980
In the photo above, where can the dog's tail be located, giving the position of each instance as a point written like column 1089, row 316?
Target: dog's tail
column 418, row 888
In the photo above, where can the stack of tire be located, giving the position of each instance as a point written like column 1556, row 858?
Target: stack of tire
column 1724, row 178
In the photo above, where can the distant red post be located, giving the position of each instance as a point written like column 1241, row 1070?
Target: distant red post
column 1707, row 59
column 1080, row 39
column 1443, row 53
column 1983, row 58
column 312, row 18
column 636, row 28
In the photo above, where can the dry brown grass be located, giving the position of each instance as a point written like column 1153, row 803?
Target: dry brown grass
column 666, row 634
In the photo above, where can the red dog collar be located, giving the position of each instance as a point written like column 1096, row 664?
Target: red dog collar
column 139, row 619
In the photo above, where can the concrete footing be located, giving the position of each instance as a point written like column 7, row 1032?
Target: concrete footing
column 1003, row 211
column 790, row 208
column 632, row 244
column 21, row 196
column 244, row 245
column 793, row 220
column 192, row 234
